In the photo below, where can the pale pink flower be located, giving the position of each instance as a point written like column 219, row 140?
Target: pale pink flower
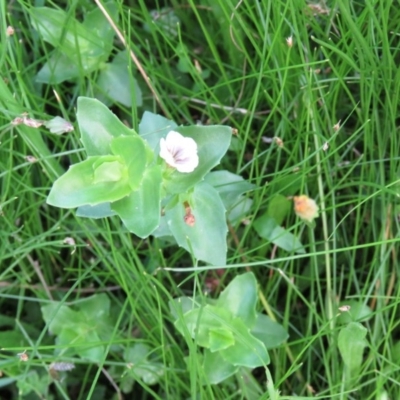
column 179, row 152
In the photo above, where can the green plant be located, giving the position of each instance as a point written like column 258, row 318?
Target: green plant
column 317, row 114
column 124, row 175
column 85, row 46
column 233, row 334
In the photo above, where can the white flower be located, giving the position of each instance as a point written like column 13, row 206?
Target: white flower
column 179, row 152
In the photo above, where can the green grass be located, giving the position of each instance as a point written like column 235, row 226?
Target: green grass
column 342, row 69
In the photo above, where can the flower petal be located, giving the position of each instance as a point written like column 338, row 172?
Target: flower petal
column 179, row 152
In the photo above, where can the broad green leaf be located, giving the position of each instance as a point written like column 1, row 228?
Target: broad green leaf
column 163, row 231
column 207, row 238
column 98, row 316
column 143, row 367
column 220, row 338
column 77, row 186
column 60, row 316
column 279, row 207
column 126, row 383
column 268, row 229
column 90, row 346
column 240, row 209
column 215, row 328
column 141, row 210
column 98, row 126
column 229, row 186
column 165, row 20
column 240, row 298
column 150, row 373
column 80, row 332
column 64, row 64
column 33, row 382
column 136, row 353
column 102, row 210
column 181, row 305
column 170, row 201
column 247, row 351
column 81, row 339
column 95, row 307
column 351, row 343
column 67, row 339
column 153, row 127
column 69, row 36
column 217, row 368
column 358, row 312
column 116, row 82
column 12, row 338
column 57, row 69
column 200, row 321
column 212, row 144
column 108, row 172
column 97, row 23
column 132, row 150
column 269, row 332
